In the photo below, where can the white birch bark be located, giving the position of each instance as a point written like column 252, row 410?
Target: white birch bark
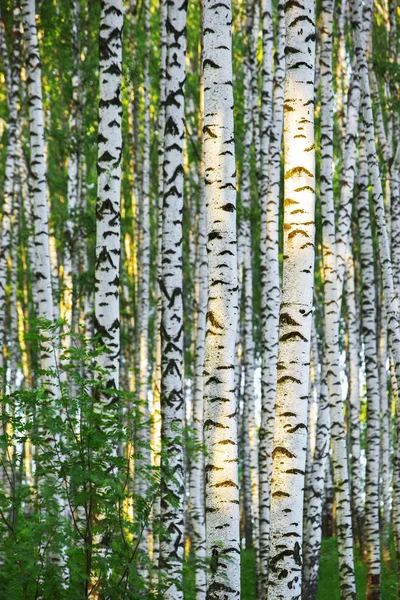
column 142, row 434
column 349, row 160
column 332, row 285
column 197, row 466
column 353, row 332
column 313, row 525
column 10, row 169
column 108, row 244
column 250, row 462
column 38, row 183
column 156, row 406
column 385, row 429
column 290, row 437
column 172, row 400
column 341, row 69
column 107, row 323
column 108, row 247
column 73, row 174
column 220, row 400
column 368, row 313
column 390, row 297
column 270, row 294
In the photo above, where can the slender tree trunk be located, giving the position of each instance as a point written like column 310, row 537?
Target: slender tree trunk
column 197, row 467
column 73, row 174
column 391, row 301
column 290, row 437
column 38, row 188
column 270, row 297
column 250, row 455
column 368, row 312
column 313, row 525
column 156, row 406
column 172, row 400
column 142, row 437
column 332, row 315
column 354, row 398
column 10, row 170
column 108, row 245
column 220, row 400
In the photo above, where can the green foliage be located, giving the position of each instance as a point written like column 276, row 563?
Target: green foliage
column 79, row 492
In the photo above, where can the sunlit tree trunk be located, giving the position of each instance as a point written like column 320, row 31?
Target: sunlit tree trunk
column 290, row 437
column 220, row 401
column 172, row 400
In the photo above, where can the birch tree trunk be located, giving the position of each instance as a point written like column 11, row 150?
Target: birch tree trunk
column 73, row 173
column 197, row 466
column 10, row 170
column 354, row 398
column 313, row 525
column 38, row 188
column 290, row 437
column 332, row 286
column 155, row 441
column 142, row 437
column 368, row 309
column 172, row 399
column 250, row 462
column 108, row 244
column 270, row 291
column 220, row 400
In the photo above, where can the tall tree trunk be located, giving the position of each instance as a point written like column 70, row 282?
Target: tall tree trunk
column 39, row 185
column 270, row 296
column 250, row 457
column 73, row 174
column 172, row 400
column 332, row 314
column 313, row 525
column 290, row 437
column 368, row 313
column 108, row 245
column 220, row 400
column 10, row 170
column 156, row 406
column 391, row 300
column 142, row 436
column 197, row 466
column 353, row 330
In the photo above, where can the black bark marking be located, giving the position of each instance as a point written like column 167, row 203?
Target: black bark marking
column 297, row 232
column 284, row 451
column 286, row 319
column 288, row 378
column 298, row 171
